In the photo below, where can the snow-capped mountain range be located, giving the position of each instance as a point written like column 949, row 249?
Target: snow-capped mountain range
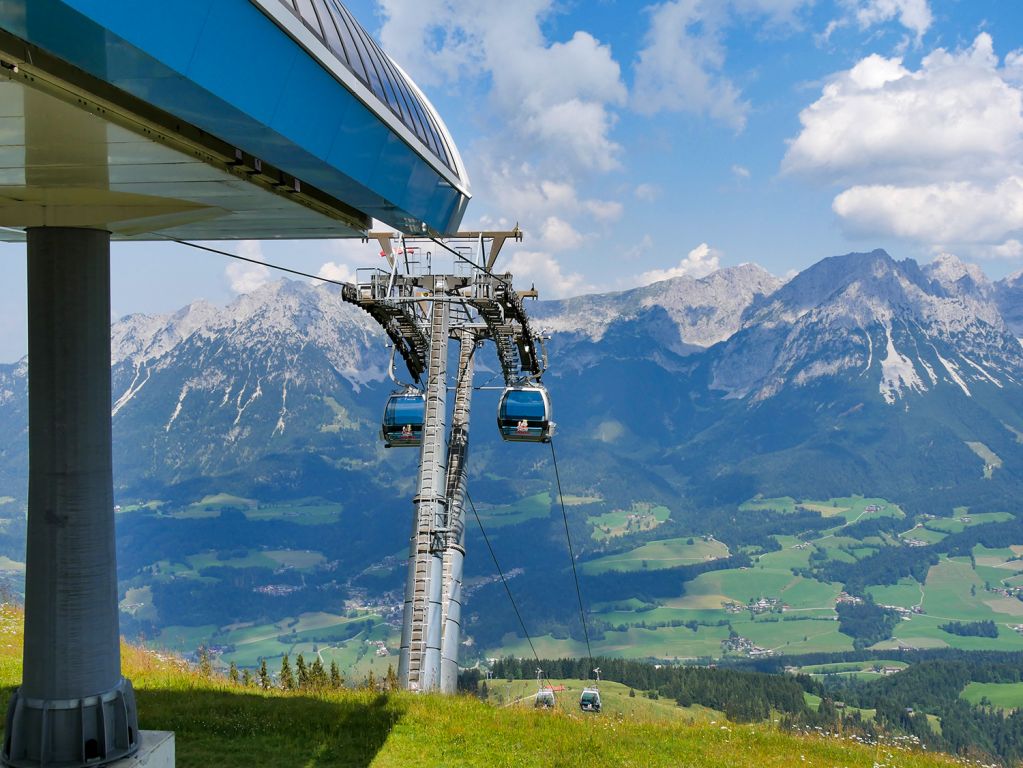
column 903, row 328
column 283, row 387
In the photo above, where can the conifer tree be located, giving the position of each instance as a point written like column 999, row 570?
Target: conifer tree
column 287, row 680
column 317, row 674
column 392, row 678
column 303, row 672
column 336, row 681
column 371, row 681
column 246, row 678
column 264, row 675
column 232, row 673
column 205, row 663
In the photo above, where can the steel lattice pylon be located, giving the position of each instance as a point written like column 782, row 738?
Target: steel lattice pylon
column 421, row 311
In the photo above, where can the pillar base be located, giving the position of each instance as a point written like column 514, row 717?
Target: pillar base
column 156, row 750
column 70, row 733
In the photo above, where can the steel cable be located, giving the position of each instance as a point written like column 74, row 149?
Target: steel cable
column 571, row 554
column 504, row 581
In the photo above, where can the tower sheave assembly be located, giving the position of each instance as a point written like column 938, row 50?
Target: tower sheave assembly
column 156, row 121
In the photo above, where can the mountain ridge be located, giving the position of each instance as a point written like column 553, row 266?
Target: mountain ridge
column 291, row 370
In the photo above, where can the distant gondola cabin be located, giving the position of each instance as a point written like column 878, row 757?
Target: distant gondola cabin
column 524, row 415
column 589, row 701
column 402, row 425
column 544, row 699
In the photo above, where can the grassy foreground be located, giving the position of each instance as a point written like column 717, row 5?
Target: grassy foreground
column 217, row 723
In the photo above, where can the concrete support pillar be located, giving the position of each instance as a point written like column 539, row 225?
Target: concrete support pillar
column 73, row 708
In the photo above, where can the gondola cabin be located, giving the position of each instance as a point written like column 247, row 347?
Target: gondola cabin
column 402, row 426
column 524, row 415
column 589, row 701
column 544, row 699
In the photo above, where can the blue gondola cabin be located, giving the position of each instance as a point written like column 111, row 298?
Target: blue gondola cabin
column 402, row 425
column 524, row 415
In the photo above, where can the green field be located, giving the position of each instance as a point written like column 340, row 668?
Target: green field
column 849, row 508
column 152, row 505
column 577, row 501
column 299, row 559
column 783, row 505
column 666, row 553
column 960, row 523
column 300, row 511
column 532, row 507
column 1000, row 695
column 866, row 669
column 322, row 513
column 210, row 559
column 905, row 594
column 334, row 638
column 342, row 419
column 810, row 636
column 211, row 506
column 641, row 516
column 712, row 590
column 990, row 458
column 184, row 639
column 793, row 554
column 138, row 602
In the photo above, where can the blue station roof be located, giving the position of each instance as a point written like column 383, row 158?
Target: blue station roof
column 335, row 27
column 289, row 105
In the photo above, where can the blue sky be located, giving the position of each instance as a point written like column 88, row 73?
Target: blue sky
column 637, row 141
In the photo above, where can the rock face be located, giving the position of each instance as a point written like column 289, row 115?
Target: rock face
column 1008, row 294
column 875, row 371
column 212, row 391
column 705, row 310
column 864, row 315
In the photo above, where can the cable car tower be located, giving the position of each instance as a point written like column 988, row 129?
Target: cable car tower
column 421, row 311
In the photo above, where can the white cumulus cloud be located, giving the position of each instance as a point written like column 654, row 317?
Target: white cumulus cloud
column 956, row 114
column 559, row 235
column 648, row 193
column 245, row 277
column 914, row 15
column 681, row 67
column 335, row 270
column 559, row 95
column 953, row 212
column 543, row 270
column 699, row 262
column 1010, row 249
column 550, row 105
column 551, row 209
column 933, row 154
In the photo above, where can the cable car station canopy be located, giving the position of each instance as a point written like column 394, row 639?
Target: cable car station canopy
column 214, row 119
column 192, row 119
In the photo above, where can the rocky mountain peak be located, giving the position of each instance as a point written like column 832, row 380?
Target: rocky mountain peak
column 867, row 315
column 706, row 310
column 949, row 270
